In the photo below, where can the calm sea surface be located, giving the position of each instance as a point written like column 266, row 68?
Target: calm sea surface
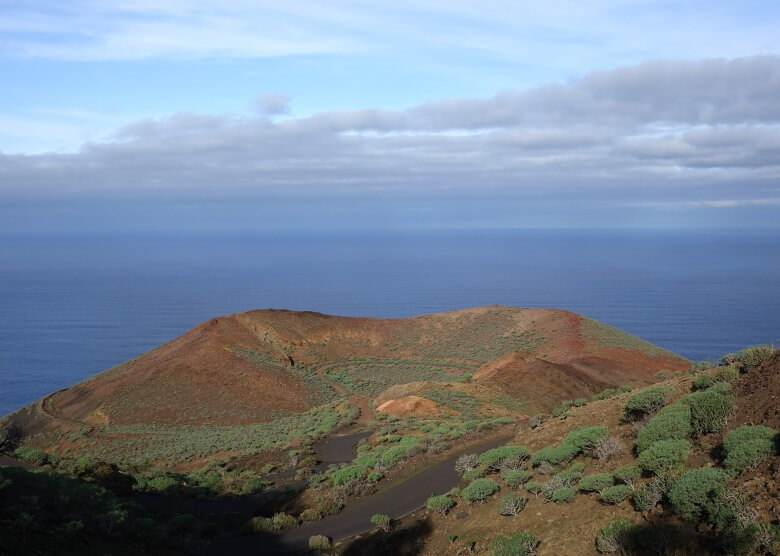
column 73, row 306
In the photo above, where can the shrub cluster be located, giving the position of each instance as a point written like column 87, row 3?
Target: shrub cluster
column 671, row 423
column 628, row 474
column 479, row 489
column 441, row 503
column 693, row 493
column 710, row 410
column 519, row 544
column 596, row 483
column 616, row 494
column 748, row 446
column 625, row 537
column 516, row 477
column 565, row 494
column 495, row 457
column 646, row 402
column 664, row 455
column 579, row 440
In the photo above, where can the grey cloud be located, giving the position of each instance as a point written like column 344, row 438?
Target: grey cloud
column 655, row 130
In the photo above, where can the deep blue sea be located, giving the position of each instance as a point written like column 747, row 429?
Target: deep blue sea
column 71, row 306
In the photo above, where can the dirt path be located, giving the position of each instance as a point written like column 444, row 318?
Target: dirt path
column 396, row 502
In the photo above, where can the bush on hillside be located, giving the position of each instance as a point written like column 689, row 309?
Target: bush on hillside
column 555, row 455
column 646, row 402
column 479, row 489
column 671, row 423
column 31, row 455
column 516, row 477
column 382, row 521
column 710, row 410
column 495, row 457
column 606, row 393
column 320, row 543
column 753, row 356
column 664, row 455
column 519, row 544
column 479, row 471
column 747, row 446
column 648, row 496
column 616, row 494
column 535, row 421
column 565, row 494
column 585, row 438
column 441, row 504
column 628, row 474
column 511, row 503
column 534, row 487
column 614, row 536
column 692, row 494
column 596, row 483
column 579, row 402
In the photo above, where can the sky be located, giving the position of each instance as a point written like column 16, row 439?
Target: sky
column 134, row 115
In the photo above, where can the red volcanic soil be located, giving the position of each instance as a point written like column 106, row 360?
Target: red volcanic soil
column 248, row 367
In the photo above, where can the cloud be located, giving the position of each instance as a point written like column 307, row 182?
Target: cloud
column 656, row 132
column 273, row 104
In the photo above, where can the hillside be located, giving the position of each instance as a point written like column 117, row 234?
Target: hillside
column 232, row 382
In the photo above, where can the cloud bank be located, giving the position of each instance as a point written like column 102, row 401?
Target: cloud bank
column 663, row 133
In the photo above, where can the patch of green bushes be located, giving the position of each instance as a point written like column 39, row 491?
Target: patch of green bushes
column 519, row 544
column 616, row 494
column 647, row 401
column 747, row 446
column 670, row 423
column 579, row 440
column 440, row 503
column 564, row 494
column 710, row 410
column 596, row 483
column 691, row 495
column 516, row 477
column 628, row 474
column 494, row 457
column 479, row 489
column 664, row 455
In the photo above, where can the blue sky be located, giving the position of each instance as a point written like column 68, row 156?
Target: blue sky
column 144, row 115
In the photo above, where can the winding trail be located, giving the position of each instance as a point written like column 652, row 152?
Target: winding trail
column 396, row 502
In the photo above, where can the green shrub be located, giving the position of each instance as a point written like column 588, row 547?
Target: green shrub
column 346, row 475
column 163, row 483
column 616, row 494
column 519, row 544
column 615, row 537
column 375, row 476
column 283, row 521
column 647, row 402
column 494, row 457
column 535, row 421
column 382, row 521
column 320, row 543
column 702, row 382
column 710, row 410
column 253, row 486
column 564, row 494
column 440, row 503
column 560, row 409
column 261, row 525
column 628, row 474
column 511, row 503
column 578, row 467
column 328, row 505
column 476, row 473
column 479, row 489
column 596, row 483
column 671, row 423
column 748, row 446
column 648, row 496
column 691, row 494
column 32, row 455
column 516, row 477
column 584, row 438
column 569, row 476
column 604, row 394
column 555, row 455
column 579, row 402
column 534, row 487
column 753, row 356
column 664, row 455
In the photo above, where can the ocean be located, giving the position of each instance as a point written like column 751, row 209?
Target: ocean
column 71, row 306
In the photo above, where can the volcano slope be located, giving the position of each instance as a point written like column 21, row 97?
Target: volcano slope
column 270, row 379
